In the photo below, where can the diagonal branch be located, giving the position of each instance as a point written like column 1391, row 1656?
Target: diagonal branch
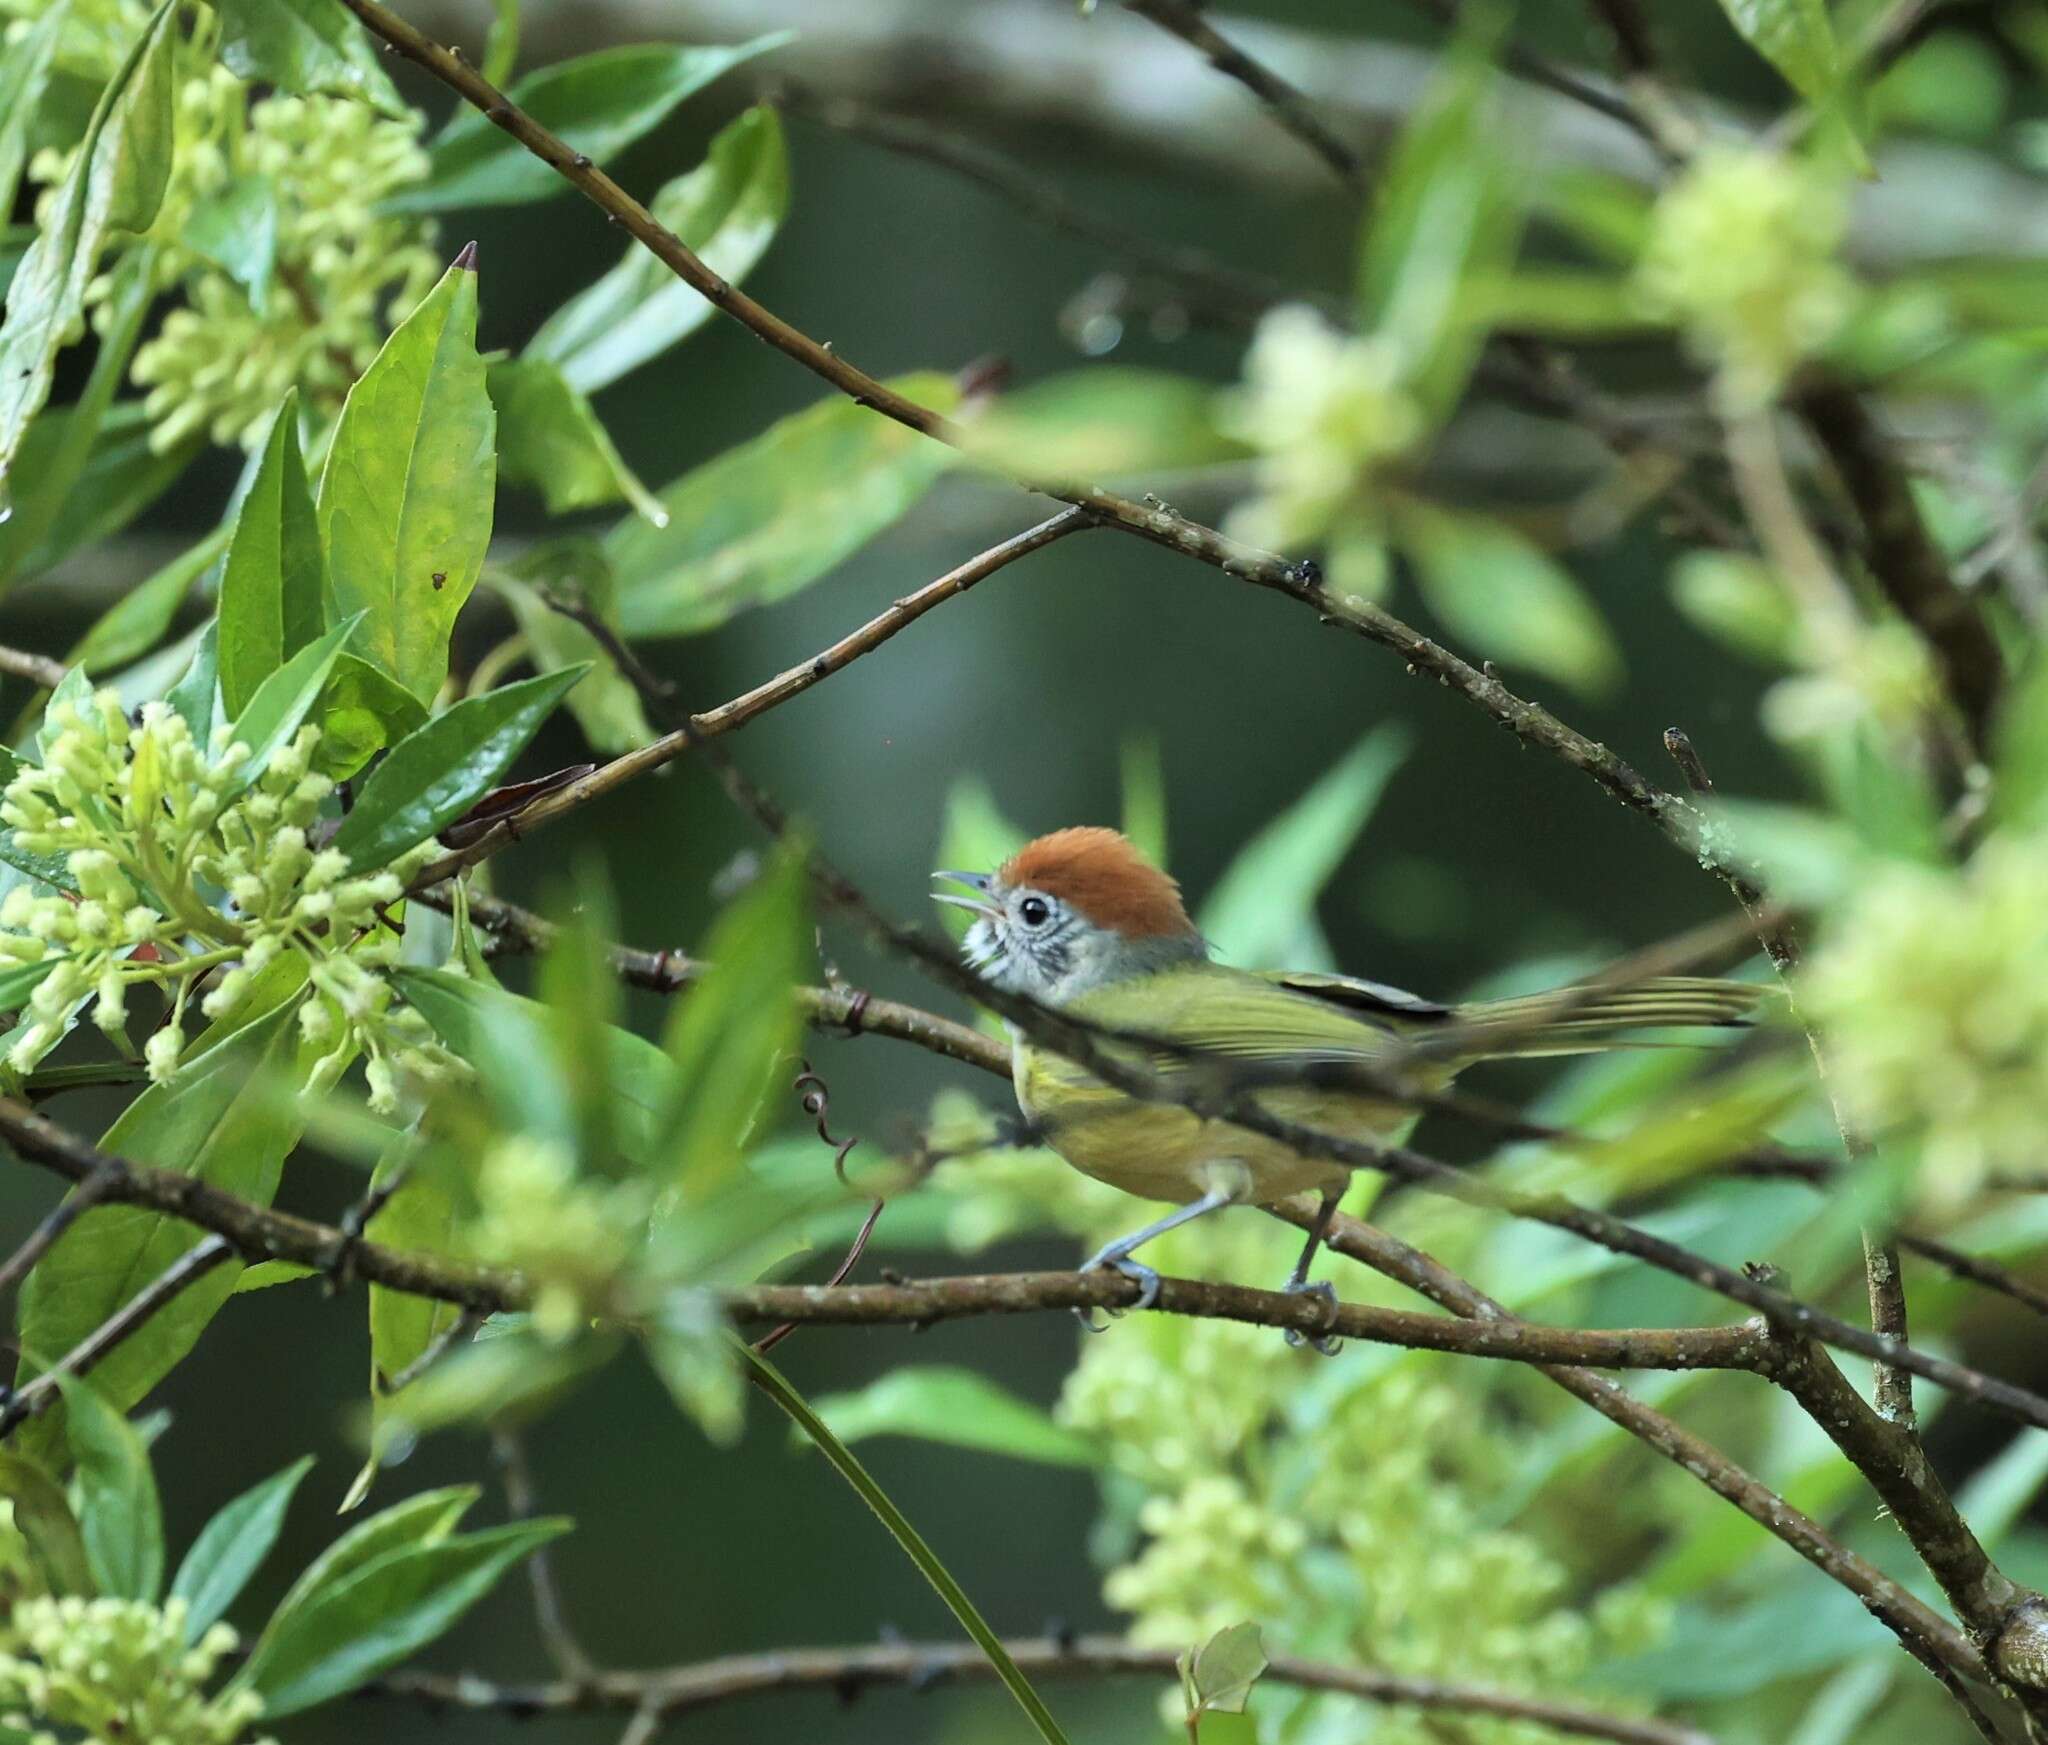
column 1156, row 523
column 94, row 1349
column 846, row 1672
column 1287, row 106
column 1931, row 1639
column 1902, row 555
column 728, row 716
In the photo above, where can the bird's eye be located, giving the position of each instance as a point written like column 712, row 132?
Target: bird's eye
column 1034, row 911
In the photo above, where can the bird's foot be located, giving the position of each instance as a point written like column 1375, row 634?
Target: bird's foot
column 1326, row 1343
column 1111, row 1260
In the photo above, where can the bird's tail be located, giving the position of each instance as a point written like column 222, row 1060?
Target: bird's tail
column 1582, row 1020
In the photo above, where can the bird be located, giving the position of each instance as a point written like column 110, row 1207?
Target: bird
column 1081, row 922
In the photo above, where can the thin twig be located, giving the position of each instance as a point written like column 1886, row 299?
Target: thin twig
column 1930, row 1638
column 549, row 1613
column 727, row 717
column 191, row 1266
column 1884, row 1279
column 1902, row 554
column 1200, row 279
column 39, row 669
column 1153, row 522
column 846, row 1672
column 817, row 1101
column 1287, row 106
column 67, row 1211
column 1977, row 1270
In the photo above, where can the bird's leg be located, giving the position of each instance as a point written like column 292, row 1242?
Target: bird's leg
column 1298, row 1285
column 1116, row 1256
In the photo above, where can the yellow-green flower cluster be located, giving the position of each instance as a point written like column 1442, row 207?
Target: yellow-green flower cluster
column 113, row 1670
column 1327, row 411
column 150, row 828
column 1931, row 987
column 344, row 270
column 1342, row 1504
column 571, row 1236
column 1742, row 256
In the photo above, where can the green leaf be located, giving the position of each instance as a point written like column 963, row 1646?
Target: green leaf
column 436, row 774
column 235, row 227
column 501, row 42
column 271, row 592
column 1219, row 1674
column 776, row 1386
column 509, row 1040
column 362, row 710
column 549, row 438
column 196, row 696
column 43, row 1518
column 138, row 621
column 1508, row 599
column 1796, row 37
column 1101, row 421
column 728, row 1037
column 768, row 518
column 726, row 211
column 20, row 980
column 1262, row 912
column 598, row 104
column 231, row 1547
column 1739, row 602
column 606, row 705
column 405, row 500
column 81, row 467
column 346, row 1631
column 281, row 703
column 2019, row 791
column 1144, row 797
column 425, row 1519
column 306, row 46
column 505, row 1380
column 1449, row 212
column 24, row 72
column 116, row 183
column 214, row 1120
column 936, row 1403
column 690, row 1346
column 121, row 1515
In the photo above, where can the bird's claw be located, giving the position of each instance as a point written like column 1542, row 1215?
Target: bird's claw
column 1325, row 1344
column 1141, row 1275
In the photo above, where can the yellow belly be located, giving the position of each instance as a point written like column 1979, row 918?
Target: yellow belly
column 1160, row 1152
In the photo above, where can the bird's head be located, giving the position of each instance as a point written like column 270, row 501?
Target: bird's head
column 1071, row 912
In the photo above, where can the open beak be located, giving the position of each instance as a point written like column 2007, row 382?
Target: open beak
column 976, row 881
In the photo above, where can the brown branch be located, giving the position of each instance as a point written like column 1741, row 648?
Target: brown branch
column 849, row 1011
column 550, row 1614
column 1902, row 555
column 1287, row 106
column 1201, row 279
column 1930, row 1638
column 727, row 717
column 1987, row 1273
column 1153, row 522
column 262, row 1233
column 60, row 1219
column 1888, row 1454
column 39, row 669
column 191, row 1266
column 846, row 1672
column 1884, row 1280
column 1535, row 69
column 925, row 1302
